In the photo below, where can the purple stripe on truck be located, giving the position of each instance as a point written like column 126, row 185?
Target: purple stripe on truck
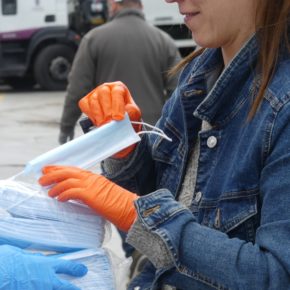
column 18, row 35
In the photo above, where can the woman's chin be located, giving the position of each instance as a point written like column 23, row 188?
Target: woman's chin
column 203, row 42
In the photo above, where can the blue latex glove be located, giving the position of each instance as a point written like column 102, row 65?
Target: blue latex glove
column 20, row 270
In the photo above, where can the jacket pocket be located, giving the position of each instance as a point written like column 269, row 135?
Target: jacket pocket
column 234, row 214
column 165, row 151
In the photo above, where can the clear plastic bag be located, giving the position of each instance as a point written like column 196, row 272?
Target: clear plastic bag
column 121, row 269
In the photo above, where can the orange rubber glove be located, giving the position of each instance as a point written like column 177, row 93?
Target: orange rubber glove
column 110, row 101
column 102, row 195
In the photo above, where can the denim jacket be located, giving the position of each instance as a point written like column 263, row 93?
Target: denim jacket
column 236, row 234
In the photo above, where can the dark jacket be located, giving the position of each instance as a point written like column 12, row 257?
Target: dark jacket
column 126, row 49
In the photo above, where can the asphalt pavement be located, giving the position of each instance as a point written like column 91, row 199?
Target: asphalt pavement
column 29, row 127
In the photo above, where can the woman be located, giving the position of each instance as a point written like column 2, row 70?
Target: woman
column 214, row 206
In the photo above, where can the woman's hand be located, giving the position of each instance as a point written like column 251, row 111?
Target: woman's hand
column 110, row 101
column 105, row 197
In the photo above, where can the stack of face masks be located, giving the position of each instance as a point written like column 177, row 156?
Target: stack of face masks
column 34, row 221
column 31, row 220
column 100, row 274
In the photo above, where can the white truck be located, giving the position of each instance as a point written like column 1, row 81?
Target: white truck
column 39, row 38
column 167, row 17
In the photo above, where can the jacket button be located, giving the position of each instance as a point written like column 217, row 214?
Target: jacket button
column 211, row 142
column 198, row 196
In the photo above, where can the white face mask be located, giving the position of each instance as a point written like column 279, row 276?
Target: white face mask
column 89, row 149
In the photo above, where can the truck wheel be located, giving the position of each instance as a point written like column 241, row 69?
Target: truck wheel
column 52, row 66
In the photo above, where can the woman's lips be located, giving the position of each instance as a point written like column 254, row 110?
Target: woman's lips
column 189, row 16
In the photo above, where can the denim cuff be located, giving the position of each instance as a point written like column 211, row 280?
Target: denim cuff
column 157, row 207
column 146, row 233
column 149, row 244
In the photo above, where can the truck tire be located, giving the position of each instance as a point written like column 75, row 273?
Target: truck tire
column 52, row 66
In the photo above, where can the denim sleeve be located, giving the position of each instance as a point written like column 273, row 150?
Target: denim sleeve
column 209, row 257
column 138, row 167
column 136, row 172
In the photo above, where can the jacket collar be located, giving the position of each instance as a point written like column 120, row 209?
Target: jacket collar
column 127, row 12
column 232, row 87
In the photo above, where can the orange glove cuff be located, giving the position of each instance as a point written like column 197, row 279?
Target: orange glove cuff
column 129, row 215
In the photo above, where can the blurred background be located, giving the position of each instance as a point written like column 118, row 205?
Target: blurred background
column 39, row 38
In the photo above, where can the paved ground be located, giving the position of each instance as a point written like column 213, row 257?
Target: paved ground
column 29, row 127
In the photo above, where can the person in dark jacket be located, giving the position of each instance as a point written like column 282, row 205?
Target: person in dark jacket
column 126, row 49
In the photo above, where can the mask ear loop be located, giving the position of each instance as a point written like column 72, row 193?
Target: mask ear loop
column 155, row 130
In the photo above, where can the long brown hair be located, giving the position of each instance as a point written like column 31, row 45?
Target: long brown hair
column 273, row 27
column 273, row 30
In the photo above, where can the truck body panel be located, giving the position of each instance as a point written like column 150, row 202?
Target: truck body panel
column 34, row 14
column 38, row 38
